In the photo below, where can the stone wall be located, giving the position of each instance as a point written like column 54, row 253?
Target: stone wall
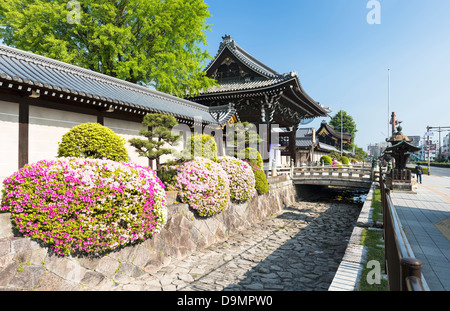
column 26, row 265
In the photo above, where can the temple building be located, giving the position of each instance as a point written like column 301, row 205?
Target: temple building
column 312, row 144
column 327, row 135
column 260, row 95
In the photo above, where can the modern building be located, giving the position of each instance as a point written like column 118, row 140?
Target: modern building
column 429, row 148
column 446, row 147
column 377, row 149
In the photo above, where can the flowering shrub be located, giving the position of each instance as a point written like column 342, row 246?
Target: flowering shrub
column 85, row 205
column 201, row 183
column 242, row 179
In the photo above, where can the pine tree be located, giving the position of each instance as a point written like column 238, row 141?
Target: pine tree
column 159, row 135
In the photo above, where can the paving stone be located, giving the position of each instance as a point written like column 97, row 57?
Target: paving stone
column 254, row 286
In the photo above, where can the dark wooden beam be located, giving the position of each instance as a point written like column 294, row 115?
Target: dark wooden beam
column 24, row 116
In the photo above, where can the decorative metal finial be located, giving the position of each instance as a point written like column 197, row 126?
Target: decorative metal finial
column 227, row 39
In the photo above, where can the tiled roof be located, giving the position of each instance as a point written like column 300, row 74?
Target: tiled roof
column 303, row 132
column 45, row 74
column 222, row 113
column 245, row 57
column 268, row 78
column 231, row 86
column 303, row 142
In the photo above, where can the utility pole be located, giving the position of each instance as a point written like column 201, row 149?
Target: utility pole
column 428, row 147
column 389, row 98
column 342, row 130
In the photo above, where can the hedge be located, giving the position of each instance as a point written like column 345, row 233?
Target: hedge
column 85, row 205
column 251, row 155
column 93, row 141
column 261, row 183
column 200, row 146
column 326, row 160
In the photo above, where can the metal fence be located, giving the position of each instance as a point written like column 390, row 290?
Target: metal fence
column 403, row 270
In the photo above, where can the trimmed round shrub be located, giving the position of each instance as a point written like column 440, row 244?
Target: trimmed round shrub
column 261, row 183
column 344, row 160
column 326, row 160
column 85, row 205
column 93, row 141
column 241, row 177
column 201, row 146
column 202, row 184
column 251, row 155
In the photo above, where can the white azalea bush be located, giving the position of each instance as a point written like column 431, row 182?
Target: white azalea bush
column 201, row 183
column 85, row 205
column 241, row 176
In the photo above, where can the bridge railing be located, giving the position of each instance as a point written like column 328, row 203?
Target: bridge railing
column 328, row 171
column 403, row 269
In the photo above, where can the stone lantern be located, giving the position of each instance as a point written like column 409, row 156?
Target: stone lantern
column 400, row 151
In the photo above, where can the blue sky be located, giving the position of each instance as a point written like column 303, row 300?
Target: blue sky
column 343, row 61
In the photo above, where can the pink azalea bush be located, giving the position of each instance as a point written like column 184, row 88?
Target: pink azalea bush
column 242, row 179
column 201, row 183
column 85, row 205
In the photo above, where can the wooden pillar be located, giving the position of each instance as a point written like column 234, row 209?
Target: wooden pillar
column 24, row 116
column 292, row 146
column 100, row 117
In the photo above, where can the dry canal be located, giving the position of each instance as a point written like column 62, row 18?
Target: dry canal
column 299, row 249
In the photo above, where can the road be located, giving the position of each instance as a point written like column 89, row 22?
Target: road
column 437, row 171
column 440, row 171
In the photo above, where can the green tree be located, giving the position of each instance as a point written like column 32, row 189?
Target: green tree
column 360, row 154
column 348, row 125
column 149, row 42
column 159, row 135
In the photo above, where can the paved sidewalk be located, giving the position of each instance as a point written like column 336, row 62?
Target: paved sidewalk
column 425, row 218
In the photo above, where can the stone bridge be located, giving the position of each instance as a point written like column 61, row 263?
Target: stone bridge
column 341, row 176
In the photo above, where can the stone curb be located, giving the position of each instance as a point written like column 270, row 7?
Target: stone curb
column 350, row 270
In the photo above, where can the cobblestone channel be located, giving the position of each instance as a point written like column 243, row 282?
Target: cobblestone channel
column 299, row 249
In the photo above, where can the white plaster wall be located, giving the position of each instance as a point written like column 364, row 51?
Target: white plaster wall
column 128, row 130
column 46, row 128
column 9, row 139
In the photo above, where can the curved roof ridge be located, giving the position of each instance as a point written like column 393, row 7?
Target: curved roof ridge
column 245, row 57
